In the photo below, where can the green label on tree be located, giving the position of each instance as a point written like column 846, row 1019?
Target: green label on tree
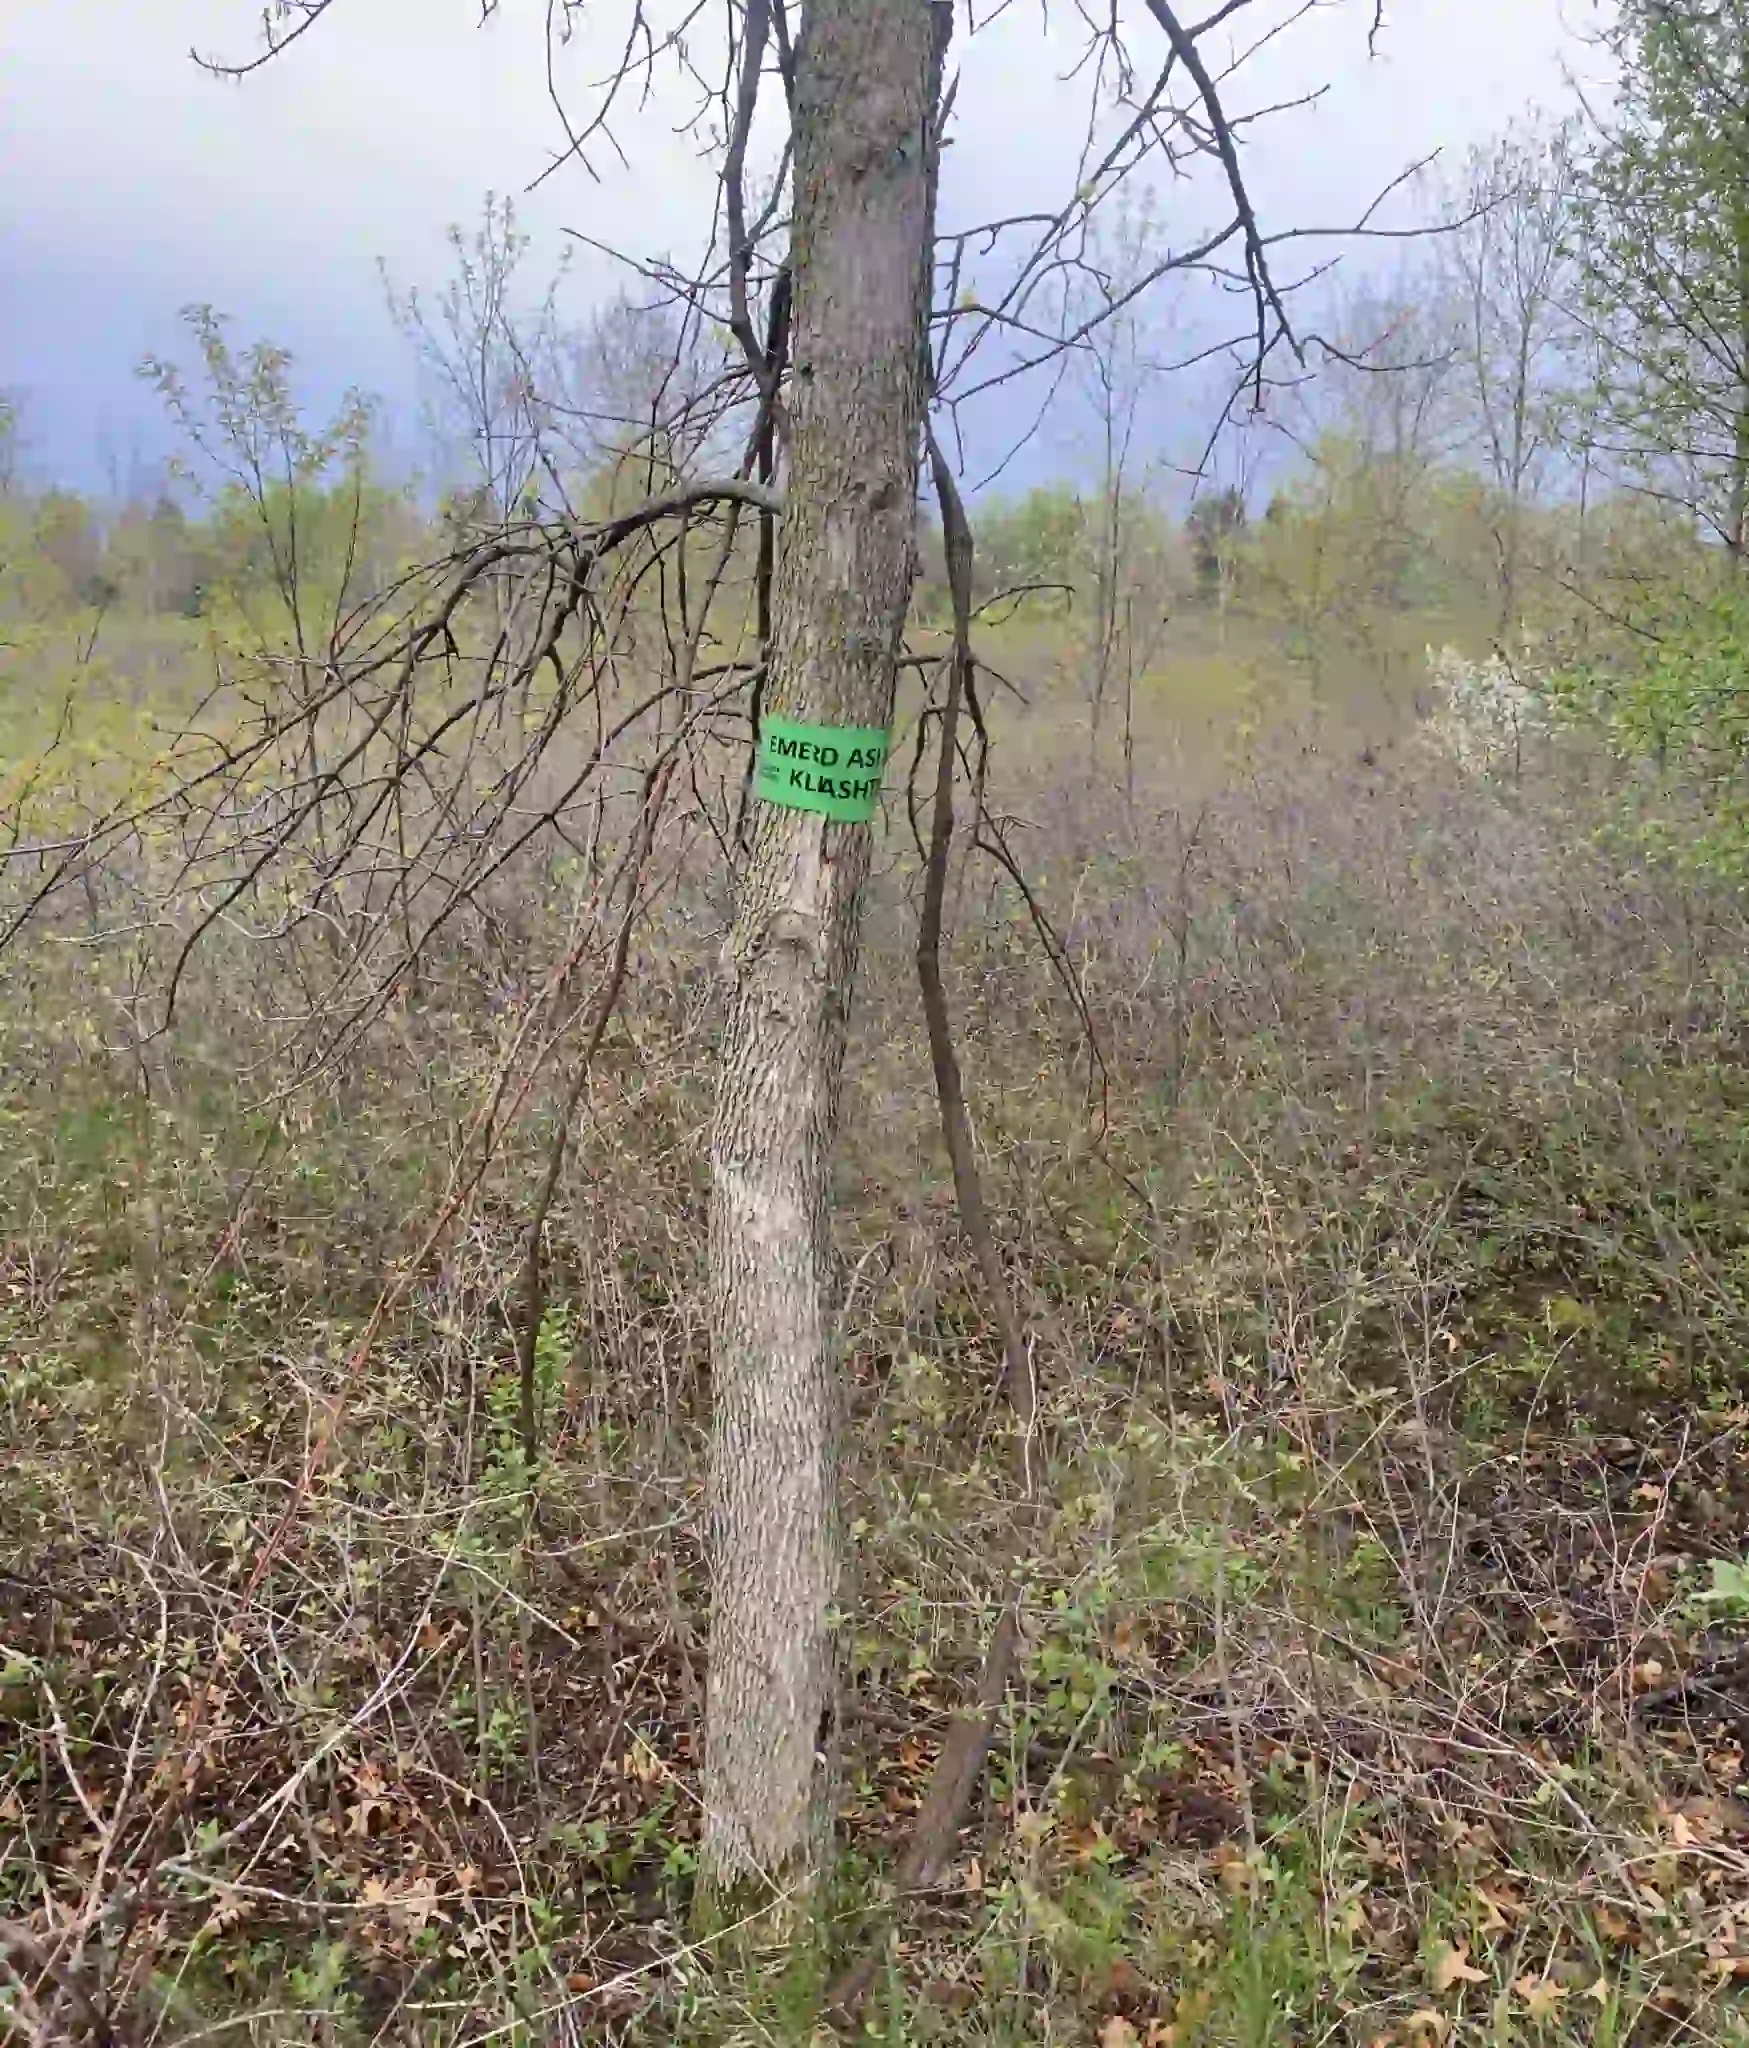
column 833, row 769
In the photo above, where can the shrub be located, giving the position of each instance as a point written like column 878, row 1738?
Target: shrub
column 1486, row 711
column 1679, row 722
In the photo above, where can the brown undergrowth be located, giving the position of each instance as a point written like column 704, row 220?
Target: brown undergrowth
column 1385, row 1273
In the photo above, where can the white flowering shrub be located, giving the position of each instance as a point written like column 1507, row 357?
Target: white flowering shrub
column 1485, row 711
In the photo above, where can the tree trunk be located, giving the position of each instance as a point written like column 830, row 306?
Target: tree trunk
column 867, row 86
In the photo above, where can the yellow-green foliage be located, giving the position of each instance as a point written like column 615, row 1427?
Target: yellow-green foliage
column 88, row 707
column 1361, row 561
column 287, row 568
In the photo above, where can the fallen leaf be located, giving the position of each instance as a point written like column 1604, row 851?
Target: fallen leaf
column 1672, row 2001
column 416, row 1901
column 1712, row 1819
column 1613, row 1925
column 1123, row 1979
column 1451, row 1965
column 642, row 1763
column 1088, row 1844
column 1495, row 1921
column 358, row 1817
column 1542, row 1996
column 1427, row 2021
column 1600, row 1991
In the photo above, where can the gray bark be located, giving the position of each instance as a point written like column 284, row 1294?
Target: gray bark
column 867, row 85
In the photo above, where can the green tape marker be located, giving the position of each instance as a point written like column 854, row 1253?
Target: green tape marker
column 833, row 769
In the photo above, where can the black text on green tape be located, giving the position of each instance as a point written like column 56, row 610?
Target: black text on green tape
column 833, row 769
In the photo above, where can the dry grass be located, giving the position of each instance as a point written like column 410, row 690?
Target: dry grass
column 1387, row 1275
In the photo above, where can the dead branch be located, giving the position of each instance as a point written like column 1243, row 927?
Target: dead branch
column 278, row 42
column 957, row 1770
column 18, row 1942
column 1184, row 47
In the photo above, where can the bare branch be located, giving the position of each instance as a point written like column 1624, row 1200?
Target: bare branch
column 310, row 12
column 753, row 39
column 1185, row 49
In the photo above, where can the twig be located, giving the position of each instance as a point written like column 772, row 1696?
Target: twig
column 1184, row 48
column 20, row 1942
column 533, row 1290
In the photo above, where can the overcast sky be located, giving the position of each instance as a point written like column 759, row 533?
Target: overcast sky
column 135, row 184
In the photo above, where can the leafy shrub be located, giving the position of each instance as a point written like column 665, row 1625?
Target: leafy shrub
column 1486, row 711
column 1679, row 721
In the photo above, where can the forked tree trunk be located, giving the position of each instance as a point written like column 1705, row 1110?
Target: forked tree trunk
column 867, row 84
